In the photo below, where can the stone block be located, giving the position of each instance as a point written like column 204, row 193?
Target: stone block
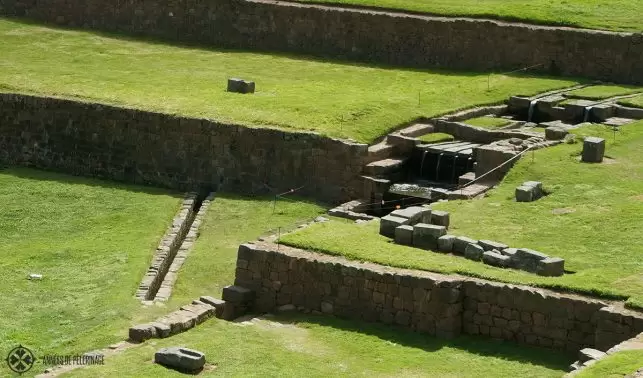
column 181, row 359
column 555, row 133
column 218, row 304
column 237, row 294
column 495, row 258
column 460, row 244
column 162, row 330
column 473, row 252
column 404, row 235
column 529, row 191
column 587, row 354
column 445, row 243
column 440, row 218
column 527, row 259
column 466, row 178
column 426, row 235
column 414, row 214
column 389, row 223
column 142, row 332
column 551, row 267
column 489, row 245
column 240, row 86
column 593, row 150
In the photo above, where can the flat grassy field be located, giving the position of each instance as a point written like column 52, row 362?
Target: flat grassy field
column 592, row 219
column 91, row 241
column 487, row 122
column 338, row 99
column 618, row 15
column 599, row 92
column 292, row 345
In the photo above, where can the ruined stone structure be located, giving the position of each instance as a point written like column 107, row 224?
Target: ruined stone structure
column 356, row 34
column 175, row 152
column 429, row 303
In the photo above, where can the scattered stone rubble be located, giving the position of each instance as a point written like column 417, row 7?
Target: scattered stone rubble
column 424, row 228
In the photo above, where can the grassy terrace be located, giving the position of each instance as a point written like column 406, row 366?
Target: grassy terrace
column 591, row 219
column 487, row 122
column 91, row 240
column 635, row 102
column 618, row 15
column 338, row 99
column 306, row 345
column 599, row 92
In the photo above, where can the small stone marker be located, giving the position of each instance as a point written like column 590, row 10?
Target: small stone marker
column 473, row 252
column 529, row 191
column 593, row 150
column 241, row 86
column 182, row 359
column 404, row 235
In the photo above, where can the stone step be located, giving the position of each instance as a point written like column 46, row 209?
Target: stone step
column 384, row 167
column 380, row 151
column 417, row 130
column 468, row 192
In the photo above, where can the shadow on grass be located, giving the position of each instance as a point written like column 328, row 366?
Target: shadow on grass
column 174, row 40
column 472, row 344
column 66, row 178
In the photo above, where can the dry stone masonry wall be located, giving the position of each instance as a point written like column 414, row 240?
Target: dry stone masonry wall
column 429, row 303
column 176, row 152
column 375, row 36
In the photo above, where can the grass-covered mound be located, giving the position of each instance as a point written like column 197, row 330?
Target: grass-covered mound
column 337, row 99
column 591, row 218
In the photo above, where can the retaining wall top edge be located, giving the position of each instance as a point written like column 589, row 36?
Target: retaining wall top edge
column 435, row 18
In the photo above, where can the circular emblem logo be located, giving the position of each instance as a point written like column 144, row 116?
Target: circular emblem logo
column 20, row 359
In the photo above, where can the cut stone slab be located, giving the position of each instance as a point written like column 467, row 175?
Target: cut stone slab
column 240, row 86
column 527, row 259
column 473, row 252
column 218, row 304
column 461, row 242
column 551, row 267
column 445, row 243
column 616, row 121
column 202, row 312
column 404, row 235
column 426, row 235
column 587, row 354
column 529, row 191
column 593, row 150
column 555, row 133
column 414, row 214
column 468, row 192
column 440, row 218
column 466, row 178
column 380, row 151
column 162, row 330
column 417, row 130
column 237, row 294
column 142, row 332
column 489, row 245
column 179, row 358
column 386, row 166
column 403, row 144
column 495, row 258
column 389, row 223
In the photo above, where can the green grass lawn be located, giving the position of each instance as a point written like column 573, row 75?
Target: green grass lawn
column 487, row 122
column 619, row 15
column 91, row 240
column 592, row 219
column 600, row 92
column 617, row 365
column 338, row 99
column 436, row 138
column 635, row 102
column 307, row 345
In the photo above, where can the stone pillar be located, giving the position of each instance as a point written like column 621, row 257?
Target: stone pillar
column 593, row 150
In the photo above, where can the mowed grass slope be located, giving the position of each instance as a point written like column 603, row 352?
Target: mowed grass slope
column 91, row 241
column 306, row 345
column 618, row 15
column 338, row 99
column 592, row 219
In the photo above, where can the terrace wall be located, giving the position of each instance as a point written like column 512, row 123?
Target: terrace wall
column 429, row 303
column 356, row 34
column 175, row 152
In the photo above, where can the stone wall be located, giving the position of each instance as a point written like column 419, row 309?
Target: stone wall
column 175, row 152
column 430, row 303
column 366, row 35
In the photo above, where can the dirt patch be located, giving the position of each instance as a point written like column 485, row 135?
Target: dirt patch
column 637, row 198
column 563, row 210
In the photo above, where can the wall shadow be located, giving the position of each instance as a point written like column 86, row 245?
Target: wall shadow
column 472, row 344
